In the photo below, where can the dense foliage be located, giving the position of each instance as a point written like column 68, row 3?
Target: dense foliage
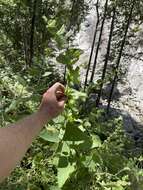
column 84, row 148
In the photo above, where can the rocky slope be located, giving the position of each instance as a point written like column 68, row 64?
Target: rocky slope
column 130, row 101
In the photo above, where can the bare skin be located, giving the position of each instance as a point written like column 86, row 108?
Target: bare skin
column 17, row 138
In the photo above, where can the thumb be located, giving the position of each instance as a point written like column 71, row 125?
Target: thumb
column 60, row 96
column 62, row 101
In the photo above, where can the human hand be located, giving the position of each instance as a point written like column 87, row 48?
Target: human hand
column 53, row 101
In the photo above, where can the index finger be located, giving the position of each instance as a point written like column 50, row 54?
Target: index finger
column 58, row 87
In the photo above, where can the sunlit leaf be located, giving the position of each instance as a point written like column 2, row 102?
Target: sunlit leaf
column 61, row 31
column 52, row 23
column 96, row 142
column 50, row 134
column 64, row 174
column 46, row 74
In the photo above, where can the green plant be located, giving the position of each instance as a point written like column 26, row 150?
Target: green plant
column 90, row 148
column 83, row 149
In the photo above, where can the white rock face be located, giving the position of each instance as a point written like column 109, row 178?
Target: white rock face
column 129, row 102
column 135, row 78
column 84, row 39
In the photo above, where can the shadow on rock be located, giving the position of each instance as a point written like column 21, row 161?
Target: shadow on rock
column 133, row 128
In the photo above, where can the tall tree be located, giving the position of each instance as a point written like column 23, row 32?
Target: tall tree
column 107, row 56
column 33, row 20
column 120, row 54
column 93, row 43
column 99, row 41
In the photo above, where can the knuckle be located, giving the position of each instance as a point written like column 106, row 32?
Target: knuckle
column 57, row 83
column 61, row 106
column 44, row 95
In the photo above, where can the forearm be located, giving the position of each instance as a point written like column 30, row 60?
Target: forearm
column 16, row 139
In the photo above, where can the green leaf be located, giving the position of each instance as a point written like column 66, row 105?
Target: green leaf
column 54, row 188
column 12, row 106
column 64, row 59
column 21, row 80
column 63, row 162
column 64, row 174
column 118, row 188
column 74, row 75
column 76, row 94
column 60, row 41
column 82, row 145
column 65, row 149
column 61, row 31
column 70, row 57
column 73, row 133
column 52, row 23
column 96, row 142
column 50, row 134
column 60, row 119
column 46, row 74
column 87, row 144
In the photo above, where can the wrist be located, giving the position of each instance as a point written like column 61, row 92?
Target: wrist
column 43, row 117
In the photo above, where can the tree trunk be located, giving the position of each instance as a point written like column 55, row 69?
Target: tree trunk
column 99, row 41
column 120, row 55
column 107, row 57
column 31, row 53
column 93, row 45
